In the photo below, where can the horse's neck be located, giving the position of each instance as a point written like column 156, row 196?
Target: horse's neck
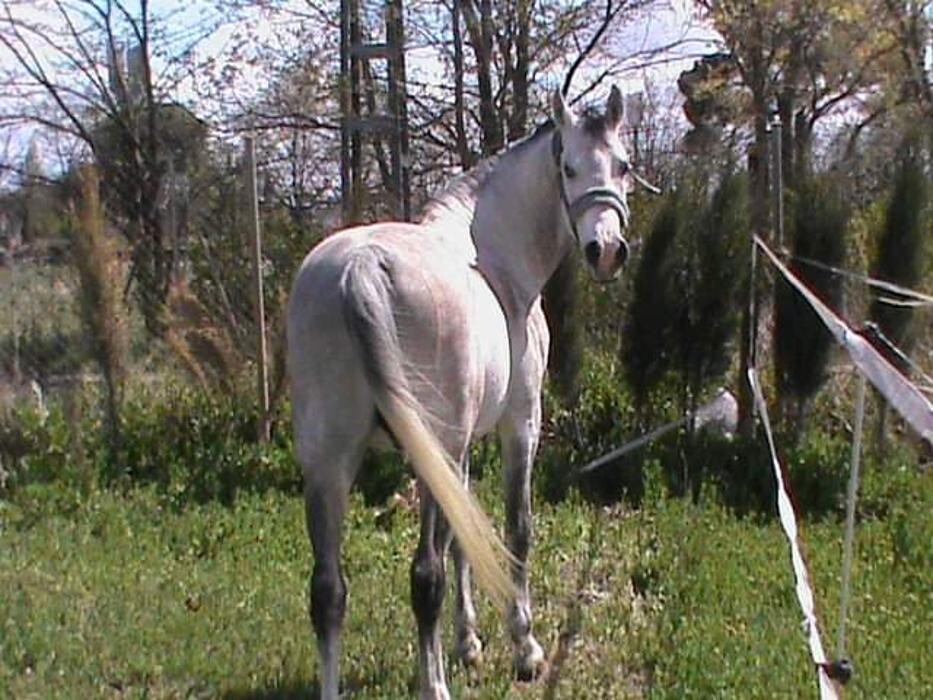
column 517, row 227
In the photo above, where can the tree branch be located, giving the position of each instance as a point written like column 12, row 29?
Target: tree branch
column 608, row 16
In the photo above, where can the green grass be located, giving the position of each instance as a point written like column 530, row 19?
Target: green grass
column 127, row 593
column 730, row 623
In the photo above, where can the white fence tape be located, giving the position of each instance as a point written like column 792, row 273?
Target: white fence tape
column 906, row 398
column 721, row 415
column 908, row 297
column 789, row 523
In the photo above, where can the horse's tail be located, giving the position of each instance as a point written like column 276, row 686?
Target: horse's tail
column 366, row 291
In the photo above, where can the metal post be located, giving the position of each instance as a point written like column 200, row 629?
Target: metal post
column 262, row 359
column 848, row 544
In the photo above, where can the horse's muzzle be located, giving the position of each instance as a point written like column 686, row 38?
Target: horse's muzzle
column 606, row 261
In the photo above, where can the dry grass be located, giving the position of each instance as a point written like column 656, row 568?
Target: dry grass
column 201, row 345
column 96, row 257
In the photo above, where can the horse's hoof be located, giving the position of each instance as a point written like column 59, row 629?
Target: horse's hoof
column 529, row 674
column 470, row 651
column 529, row 661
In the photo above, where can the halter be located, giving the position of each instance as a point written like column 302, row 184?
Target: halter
column 591, row 197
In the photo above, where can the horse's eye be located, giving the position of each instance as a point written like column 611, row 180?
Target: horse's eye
column 569, row 171
column 624, row 167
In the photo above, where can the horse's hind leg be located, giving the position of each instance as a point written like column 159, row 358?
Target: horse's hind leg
column 328, row 478
column 328, row 594
column 469, row 648
column 428, row 579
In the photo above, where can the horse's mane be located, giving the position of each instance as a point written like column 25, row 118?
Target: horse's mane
column 457, row 198
column 456, row 201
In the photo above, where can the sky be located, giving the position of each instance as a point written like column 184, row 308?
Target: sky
column 671, row 23
column 668, row 23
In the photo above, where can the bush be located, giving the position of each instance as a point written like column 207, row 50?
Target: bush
column 43, row 353
column 736, row 473
column 573, row 437
column 900, row 255
column 191, row 445
column 685, row 304
column 801, row 341
column 34, row 447
column 200, row 447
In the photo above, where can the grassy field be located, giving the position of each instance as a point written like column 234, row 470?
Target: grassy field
column 124, row 592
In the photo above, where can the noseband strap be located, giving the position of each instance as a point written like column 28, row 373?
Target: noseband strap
column 592, row 197
column 599, row 195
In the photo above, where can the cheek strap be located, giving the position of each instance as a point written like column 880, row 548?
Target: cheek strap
column 557, row 150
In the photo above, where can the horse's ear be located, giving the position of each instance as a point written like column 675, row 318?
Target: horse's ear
column 562, row 112
column 615, row 109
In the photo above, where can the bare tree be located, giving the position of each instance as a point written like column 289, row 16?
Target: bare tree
column 85, row 69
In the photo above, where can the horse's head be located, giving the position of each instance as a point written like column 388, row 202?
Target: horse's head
column 594, row 174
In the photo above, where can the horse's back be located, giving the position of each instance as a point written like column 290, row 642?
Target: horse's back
column 449, row 326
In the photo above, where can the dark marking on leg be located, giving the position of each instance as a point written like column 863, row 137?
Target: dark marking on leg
column 427, row 588
column 328, row 600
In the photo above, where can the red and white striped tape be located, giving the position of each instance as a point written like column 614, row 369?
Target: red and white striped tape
column 904, row 296
column 789, row 523
column 903, row 396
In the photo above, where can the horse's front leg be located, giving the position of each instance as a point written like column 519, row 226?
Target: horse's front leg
column 519, row 445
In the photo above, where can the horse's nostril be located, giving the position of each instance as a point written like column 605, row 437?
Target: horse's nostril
column 592, row 251
column 622, row 252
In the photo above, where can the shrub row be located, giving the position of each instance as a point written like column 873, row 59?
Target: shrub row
column 195, row 447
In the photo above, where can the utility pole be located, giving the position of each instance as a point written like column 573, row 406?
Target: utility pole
column 354, row 50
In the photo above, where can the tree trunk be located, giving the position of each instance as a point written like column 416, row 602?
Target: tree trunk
column 881, row 426
column 758, row 171
column 113, row 416
column 800, row 419
column 803, row 143
column 480, row 28
column 464, row 152
column 787, row 107
column 518, row 122
column 786, row 114
column 163, row 258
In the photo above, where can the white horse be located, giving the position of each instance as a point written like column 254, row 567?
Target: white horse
column 430, row 335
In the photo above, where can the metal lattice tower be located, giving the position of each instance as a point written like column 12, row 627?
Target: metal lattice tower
column 392, row 125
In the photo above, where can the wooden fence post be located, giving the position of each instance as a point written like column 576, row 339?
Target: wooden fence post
column 262, row 357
